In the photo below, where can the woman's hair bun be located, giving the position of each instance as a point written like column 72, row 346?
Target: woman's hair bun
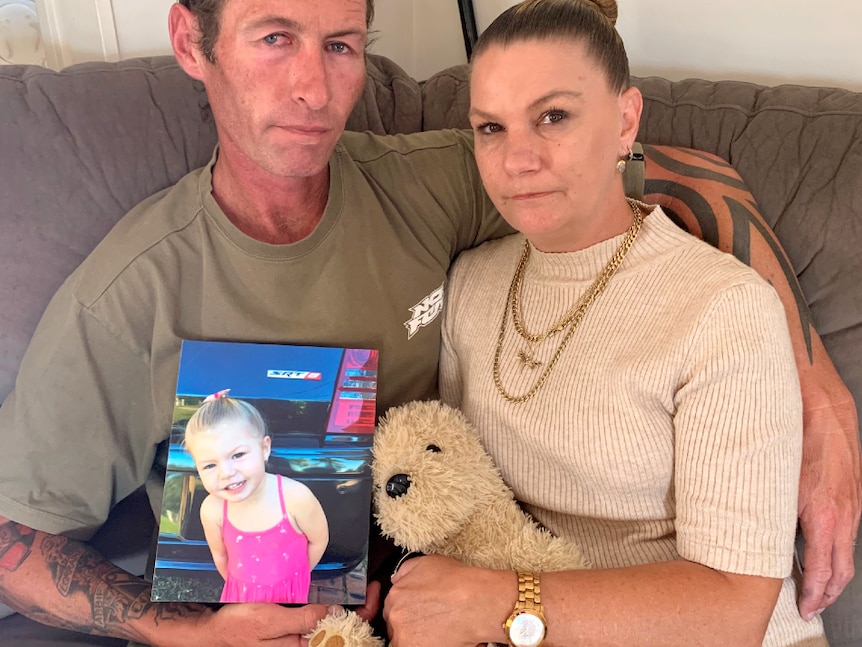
column 608, row 8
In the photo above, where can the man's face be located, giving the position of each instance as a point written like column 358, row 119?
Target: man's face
column 286, row 77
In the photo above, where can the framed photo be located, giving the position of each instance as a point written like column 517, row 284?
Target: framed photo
column 318, row 408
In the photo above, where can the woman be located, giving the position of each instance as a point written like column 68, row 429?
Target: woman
column 636, row 387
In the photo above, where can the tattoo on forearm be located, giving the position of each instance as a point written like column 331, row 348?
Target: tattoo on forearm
column 115, row 596
column 16, row 543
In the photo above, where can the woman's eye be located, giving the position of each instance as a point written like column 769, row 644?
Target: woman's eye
column 488, row 128
column 553, row 116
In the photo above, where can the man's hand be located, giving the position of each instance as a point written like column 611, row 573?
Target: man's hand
column 371, row 608
column 254, row 625
column 830, row 494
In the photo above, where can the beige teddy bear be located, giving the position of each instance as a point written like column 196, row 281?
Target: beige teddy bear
column 436, row 490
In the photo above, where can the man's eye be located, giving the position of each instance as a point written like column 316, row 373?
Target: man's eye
column 339, row 48
column 272, row 39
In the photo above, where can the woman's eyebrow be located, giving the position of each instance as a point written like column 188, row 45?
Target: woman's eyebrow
column 557, row 94
column 542, row 100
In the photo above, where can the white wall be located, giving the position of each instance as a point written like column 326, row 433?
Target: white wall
column 75, row 31
column 423, row 36
column 142, row 27
column 765, row 41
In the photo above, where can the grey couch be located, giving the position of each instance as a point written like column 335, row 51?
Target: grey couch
column 80, row 147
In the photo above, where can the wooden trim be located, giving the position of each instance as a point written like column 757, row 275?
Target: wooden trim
column 49, row 26
column 67, row 27
column 107, row 29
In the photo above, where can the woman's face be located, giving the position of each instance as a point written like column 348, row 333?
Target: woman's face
column 549, row 133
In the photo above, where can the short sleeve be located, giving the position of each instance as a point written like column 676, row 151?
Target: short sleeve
column 738, row 437
column 486, row 223
column 77, row 430
column 450, row 379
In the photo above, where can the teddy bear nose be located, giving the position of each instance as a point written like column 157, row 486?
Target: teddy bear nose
column 397, row 486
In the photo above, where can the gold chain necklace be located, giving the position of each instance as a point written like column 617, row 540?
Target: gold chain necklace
column 570, row 319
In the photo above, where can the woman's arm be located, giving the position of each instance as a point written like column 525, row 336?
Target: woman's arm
column 309, row 517
column 712, row 202
column 211, row 519
column 668, row 604
column 737, row 420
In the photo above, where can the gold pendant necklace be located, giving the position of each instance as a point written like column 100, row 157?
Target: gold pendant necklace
column 527, row 357
column 569, row 321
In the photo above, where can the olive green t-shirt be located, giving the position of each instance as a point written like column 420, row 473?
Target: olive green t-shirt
column 94, row 395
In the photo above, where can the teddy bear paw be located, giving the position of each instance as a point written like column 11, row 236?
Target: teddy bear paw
column 324, row 639
column 344, row 629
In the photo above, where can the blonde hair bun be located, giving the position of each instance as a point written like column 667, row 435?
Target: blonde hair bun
column 608, row 8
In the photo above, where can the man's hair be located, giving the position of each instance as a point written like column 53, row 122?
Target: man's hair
column 208, row 14
column 588, row 21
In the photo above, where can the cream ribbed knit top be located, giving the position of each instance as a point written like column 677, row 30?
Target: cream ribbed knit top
column 672, row 424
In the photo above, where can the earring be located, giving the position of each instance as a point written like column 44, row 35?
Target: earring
column 621, row 165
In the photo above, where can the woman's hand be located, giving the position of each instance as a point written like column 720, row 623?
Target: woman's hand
column 437, row 601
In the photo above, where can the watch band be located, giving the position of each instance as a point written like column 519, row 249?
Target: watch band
column 526, row 627
column 529, row 592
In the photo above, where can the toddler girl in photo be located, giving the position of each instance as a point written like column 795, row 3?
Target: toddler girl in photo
column 266, row 532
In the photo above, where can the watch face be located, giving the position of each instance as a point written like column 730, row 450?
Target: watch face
column 526, row 630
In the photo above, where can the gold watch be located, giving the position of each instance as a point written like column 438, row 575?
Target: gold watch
column 526, row 627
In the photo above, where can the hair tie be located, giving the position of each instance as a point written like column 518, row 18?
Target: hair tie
column 217, row 395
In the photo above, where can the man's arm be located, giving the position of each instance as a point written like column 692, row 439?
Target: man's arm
column 707, row 197
column 65, row 583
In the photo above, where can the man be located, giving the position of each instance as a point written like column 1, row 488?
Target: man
column 294, row 233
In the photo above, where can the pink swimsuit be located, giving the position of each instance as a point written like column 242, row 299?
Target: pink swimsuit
column 267, row 565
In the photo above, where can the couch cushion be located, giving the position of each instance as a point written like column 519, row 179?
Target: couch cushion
column 83, row 146
column 80, row 147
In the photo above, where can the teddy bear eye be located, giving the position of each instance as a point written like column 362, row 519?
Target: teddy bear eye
column 434, row 448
